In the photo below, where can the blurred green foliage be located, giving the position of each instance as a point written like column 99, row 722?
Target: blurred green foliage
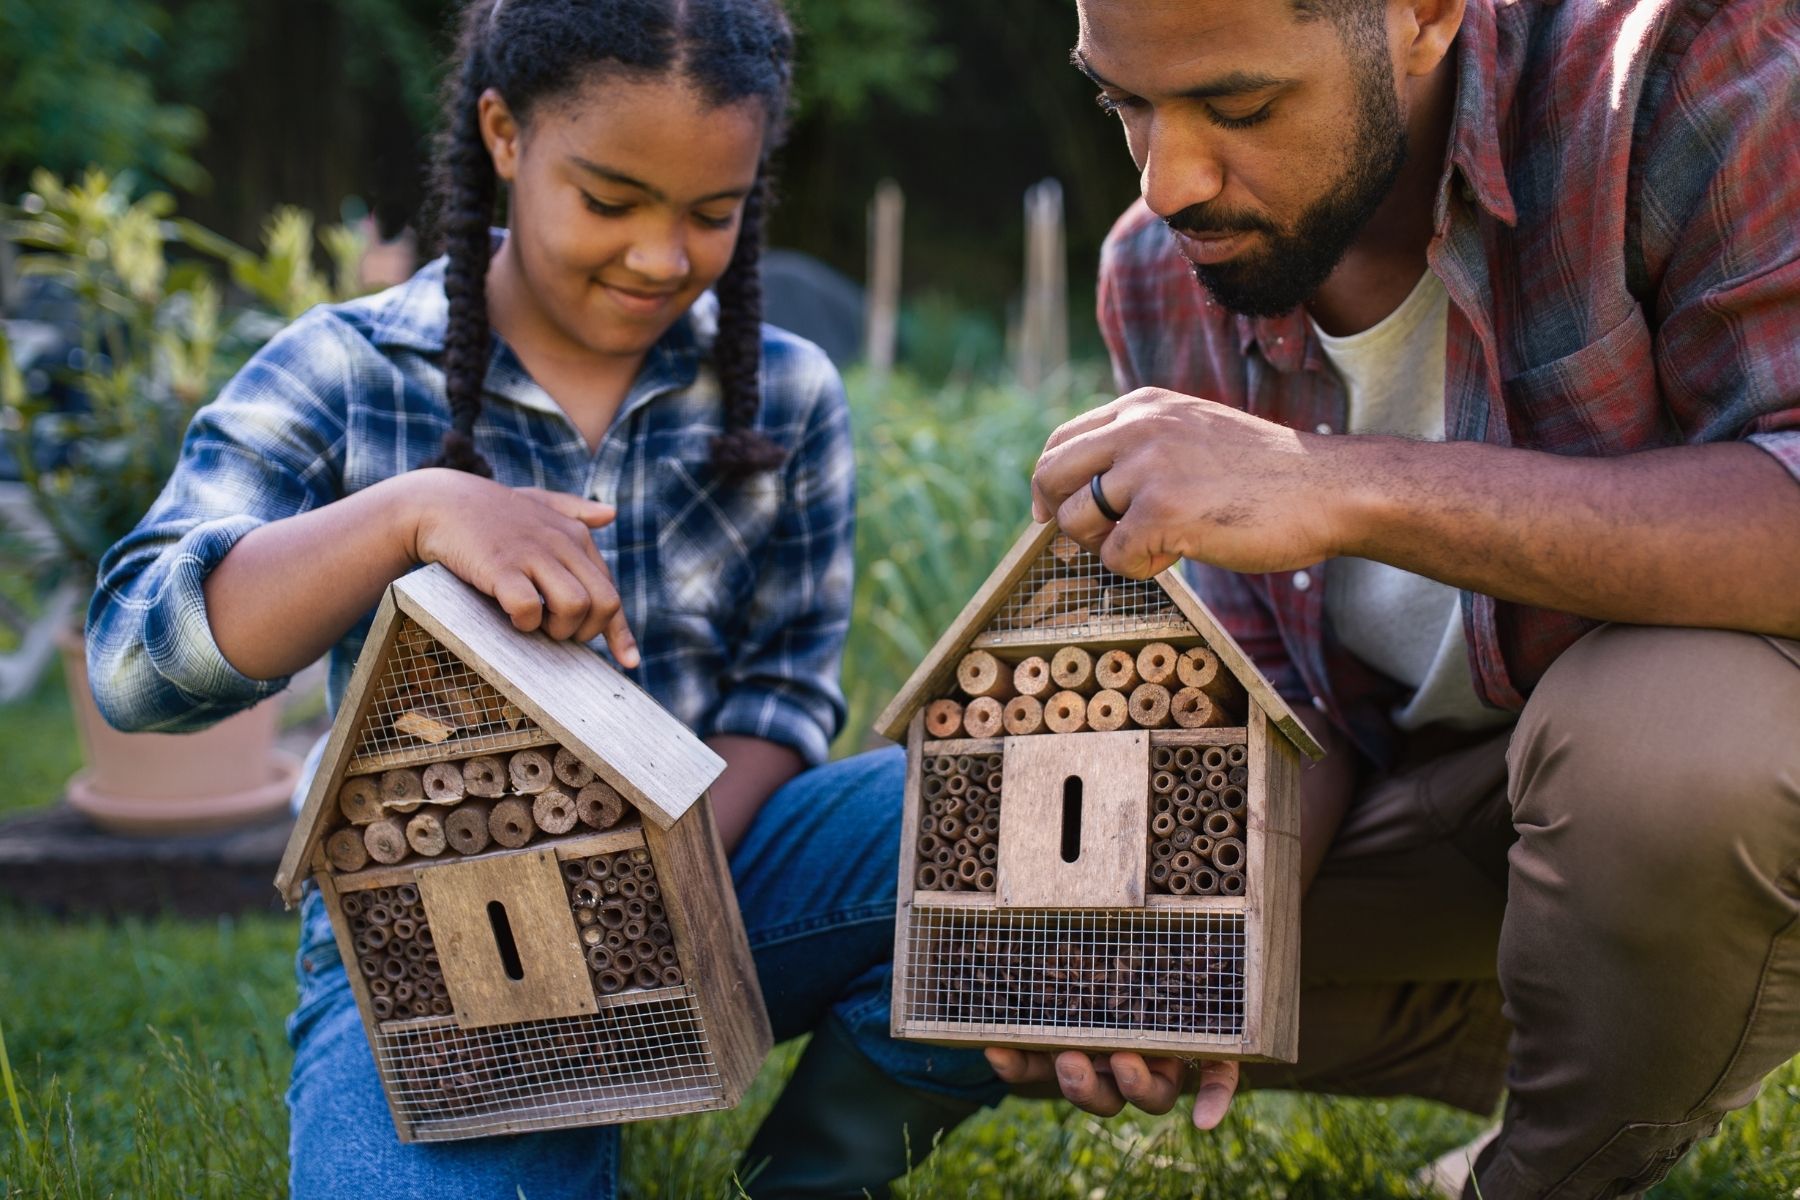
column 157, row 343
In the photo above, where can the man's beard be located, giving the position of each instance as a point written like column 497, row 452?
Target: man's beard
column 1292, row 266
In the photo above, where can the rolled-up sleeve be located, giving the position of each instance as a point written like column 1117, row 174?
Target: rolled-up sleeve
column 269, row 447
column 783, row 684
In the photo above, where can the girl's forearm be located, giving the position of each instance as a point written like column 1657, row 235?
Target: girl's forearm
column 754, row 770
column 290, row 589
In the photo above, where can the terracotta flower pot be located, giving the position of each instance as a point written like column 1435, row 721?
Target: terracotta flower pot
column 161, row 783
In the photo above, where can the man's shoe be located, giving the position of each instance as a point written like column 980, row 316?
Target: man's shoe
column 842, row 1127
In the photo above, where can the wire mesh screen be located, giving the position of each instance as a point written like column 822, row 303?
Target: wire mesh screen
column 430, row 705
column 625, row 1062
column 959, row 822
column 1199, row 820
column 1177, row 972
column 1068, row 592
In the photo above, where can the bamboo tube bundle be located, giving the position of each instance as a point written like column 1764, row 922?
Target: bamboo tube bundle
column 1194, row 709
column 1107, row 711
column 570, row 771
column 1162, row 783
column 1206, row 881
column 943, row 718
column 1213, row 758
column 1072, row 669
column 1231, row 798
column 484, row 776
column 1232, row 883
column 1220, row 824
column 1162, row 758
column 1066, row 712
column 1228, row 854
column 1187, row 815
column 1237, row 756
column 981, row 675
column 466, row 827
column 984, row 717
column 1031, row 677
column 510, row 824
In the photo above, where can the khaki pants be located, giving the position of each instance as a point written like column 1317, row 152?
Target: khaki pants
column 1595, row 911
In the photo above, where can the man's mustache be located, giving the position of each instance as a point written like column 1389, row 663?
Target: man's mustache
column 1201, row 219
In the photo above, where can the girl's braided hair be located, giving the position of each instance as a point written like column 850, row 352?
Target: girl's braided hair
column 535, row 50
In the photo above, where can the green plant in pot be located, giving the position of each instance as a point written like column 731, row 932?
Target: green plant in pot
column 157, row 338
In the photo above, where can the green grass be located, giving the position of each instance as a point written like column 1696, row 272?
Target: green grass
column 148, row 1058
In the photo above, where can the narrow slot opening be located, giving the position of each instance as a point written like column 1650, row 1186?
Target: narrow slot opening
column 503, row 941
column 1071, row 819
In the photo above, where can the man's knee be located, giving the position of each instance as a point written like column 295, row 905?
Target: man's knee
column 1658, row 756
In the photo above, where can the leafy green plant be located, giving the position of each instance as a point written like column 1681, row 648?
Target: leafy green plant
column 157, row 342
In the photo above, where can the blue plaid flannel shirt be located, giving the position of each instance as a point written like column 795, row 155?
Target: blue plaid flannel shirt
column 739, row 594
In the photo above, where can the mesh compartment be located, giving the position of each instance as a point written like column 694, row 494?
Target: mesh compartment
column 1176, row 972
column 429, row 705
column 627, row 1062
column 959, row 823
column 1069, row 593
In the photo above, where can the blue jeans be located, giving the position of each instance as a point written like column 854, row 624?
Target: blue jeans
column 815, row 880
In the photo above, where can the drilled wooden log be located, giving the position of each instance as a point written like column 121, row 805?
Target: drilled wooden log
column 1156, row 663
column 1072, row 669
column 425, row 833
column 573, row 773
column 984, row 718
column 1149, row 706
column 553, row 811
column 385, row 840
column 981, row 674
column 402, row 789
column 1116, row 669
column 345, row 851
column 1194, row 709
column 1066, row 712
column 944, row 718
column 1107, row 711
column 529, row 772
column 359, row 799
column 443, row 783
column 484, row 776
column 466, row 827
column 1024, row 715
column 509, row 824
column 599, row 805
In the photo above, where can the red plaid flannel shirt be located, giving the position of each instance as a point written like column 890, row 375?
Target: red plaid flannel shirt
column 1616, row 227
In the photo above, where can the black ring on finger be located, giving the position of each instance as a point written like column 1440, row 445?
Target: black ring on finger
column 1099, row 495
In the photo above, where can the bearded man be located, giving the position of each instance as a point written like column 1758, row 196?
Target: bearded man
column 1461, row 350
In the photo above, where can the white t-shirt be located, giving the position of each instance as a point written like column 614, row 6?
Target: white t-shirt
column 1404, row 625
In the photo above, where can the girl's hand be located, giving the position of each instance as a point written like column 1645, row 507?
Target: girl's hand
column 1104, row 1083
column 530, row 549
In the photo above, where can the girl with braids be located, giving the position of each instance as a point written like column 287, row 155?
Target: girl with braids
column 584, row 417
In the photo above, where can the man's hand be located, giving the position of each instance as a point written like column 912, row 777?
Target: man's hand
column 1104, row 1083
column 1193, row 479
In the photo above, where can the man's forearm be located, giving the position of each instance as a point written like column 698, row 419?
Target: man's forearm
column 1696, row 535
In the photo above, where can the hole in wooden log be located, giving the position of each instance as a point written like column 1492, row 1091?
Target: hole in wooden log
column 503, row 940
column 1071, row 819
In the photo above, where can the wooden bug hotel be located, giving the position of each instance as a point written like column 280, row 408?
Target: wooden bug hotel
column 525, row 882
column 1101, row 848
